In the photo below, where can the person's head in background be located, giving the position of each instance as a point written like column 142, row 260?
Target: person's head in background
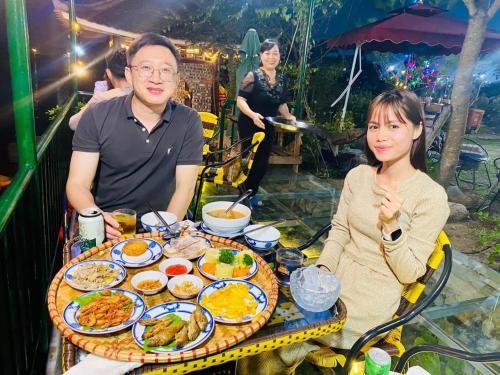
column 270, row 54
column 115, row 69
column 395, row 132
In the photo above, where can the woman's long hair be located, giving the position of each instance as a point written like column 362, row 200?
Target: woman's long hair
column 406, row 106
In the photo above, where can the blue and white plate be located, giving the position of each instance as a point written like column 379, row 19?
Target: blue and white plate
column 206, row 229
column 169, row 251
column 69, row 275
column 70, row 312
column 151, row 255
column 254, row 290
column 184, row 311
column 253, row 270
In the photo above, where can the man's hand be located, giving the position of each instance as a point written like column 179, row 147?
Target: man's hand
column 290, row 117
column 389, row 212
column 111, row 226
column 257, row 120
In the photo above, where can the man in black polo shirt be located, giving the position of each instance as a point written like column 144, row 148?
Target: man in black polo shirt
column 140, row 147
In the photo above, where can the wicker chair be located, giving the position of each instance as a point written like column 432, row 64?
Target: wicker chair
column 411, row 305
column 209, row 122
column 214, row 171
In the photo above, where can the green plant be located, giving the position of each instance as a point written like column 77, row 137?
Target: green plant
column 53, row 112
column 489, row 236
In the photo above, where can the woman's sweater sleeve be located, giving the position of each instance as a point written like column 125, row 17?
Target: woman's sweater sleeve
column 339, row 234
column 408, row 255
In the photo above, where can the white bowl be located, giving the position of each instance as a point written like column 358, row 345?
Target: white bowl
column 179, row 280
column 170, row 261
column 151, row 223
column 262, row 239
column 225, row 225
column 149, row 275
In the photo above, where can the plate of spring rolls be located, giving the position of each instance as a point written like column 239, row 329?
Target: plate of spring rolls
column 173, row 327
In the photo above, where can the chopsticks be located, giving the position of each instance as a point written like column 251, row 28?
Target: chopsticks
column 258, row 228
column 157, row 214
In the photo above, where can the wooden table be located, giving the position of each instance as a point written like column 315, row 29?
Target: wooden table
column 283, row 153
column 288, row 324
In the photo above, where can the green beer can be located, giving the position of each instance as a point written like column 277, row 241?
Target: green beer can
column 377, row 362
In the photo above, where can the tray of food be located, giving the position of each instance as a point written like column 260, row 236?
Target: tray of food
column 120, row 300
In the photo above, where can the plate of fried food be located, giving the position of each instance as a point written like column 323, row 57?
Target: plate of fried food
column 104, row 311
column 94, row 274
column 137, row 252
column 187, row 247
column 225, row 263
column 233, row 301
column 173, row 327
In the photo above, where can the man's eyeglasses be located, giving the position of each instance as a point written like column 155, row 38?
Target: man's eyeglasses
column 146, row 71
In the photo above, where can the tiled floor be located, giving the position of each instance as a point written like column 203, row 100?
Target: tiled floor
column 465, row 316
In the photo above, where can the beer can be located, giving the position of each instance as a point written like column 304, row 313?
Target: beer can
column 377, row 362
column 91, row 228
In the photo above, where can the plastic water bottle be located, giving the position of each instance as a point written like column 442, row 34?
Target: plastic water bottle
column 377, row 362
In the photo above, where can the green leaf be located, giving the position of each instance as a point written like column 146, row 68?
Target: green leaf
column 86, row 299
column 175, row 319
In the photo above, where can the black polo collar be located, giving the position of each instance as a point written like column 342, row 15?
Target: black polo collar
column 167, row 113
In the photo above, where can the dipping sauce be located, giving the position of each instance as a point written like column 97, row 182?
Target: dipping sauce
column 220, row 214
column 176, row 269
column 149, row 284
column 186, row 287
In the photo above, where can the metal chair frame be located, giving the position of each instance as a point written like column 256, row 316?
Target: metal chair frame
column 449, row 352
column 208, row 166
column 468, row 165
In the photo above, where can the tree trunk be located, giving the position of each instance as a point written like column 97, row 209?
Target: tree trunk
column 461, row 94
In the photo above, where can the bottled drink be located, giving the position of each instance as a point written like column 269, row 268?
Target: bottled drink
column 91, row 228
column 377, row 362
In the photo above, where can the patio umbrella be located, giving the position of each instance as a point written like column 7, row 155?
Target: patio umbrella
column 249, row 52
column 415, row 28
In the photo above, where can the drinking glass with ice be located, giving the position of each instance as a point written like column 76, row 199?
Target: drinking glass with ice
column 314, row 289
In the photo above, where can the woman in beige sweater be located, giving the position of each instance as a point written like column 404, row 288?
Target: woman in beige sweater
column 388, row 218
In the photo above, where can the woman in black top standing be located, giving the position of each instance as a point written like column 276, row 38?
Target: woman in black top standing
column 262, row 93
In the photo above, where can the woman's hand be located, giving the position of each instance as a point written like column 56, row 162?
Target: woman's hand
column 257, row 120
column 390, row 207
column 111, row 225
column 290, row 117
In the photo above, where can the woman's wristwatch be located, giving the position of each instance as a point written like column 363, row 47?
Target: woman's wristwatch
column 393, row 236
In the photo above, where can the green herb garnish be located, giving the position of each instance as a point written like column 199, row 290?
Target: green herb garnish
column 226, row 256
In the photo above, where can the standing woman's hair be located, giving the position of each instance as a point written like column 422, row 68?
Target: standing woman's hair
column 268, row 44
column 406, row 106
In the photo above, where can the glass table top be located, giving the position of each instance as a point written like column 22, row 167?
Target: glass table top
column 466, row 315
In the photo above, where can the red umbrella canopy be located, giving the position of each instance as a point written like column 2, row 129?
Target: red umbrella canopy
column 418, row 28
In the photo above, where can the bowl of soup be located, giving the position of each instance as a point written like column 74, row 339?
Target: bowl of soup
column 234, row 221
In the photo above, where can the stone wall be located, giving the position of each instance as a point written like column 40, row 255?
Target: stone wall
column 199, row 76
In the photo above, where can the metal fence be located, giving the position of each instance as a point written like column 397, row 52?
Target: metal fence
column 30, row 252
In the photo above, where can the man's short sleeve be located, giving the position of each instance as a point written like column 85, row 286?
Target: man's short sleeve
column 86, row 136
column 192, row 146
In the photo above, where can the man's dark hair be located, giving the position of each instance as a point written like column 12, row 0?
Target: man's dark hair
column 151, row 39
column 116, row 62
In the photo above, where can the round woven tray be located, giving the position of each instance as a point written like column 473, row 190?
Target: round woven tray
column 121, row 345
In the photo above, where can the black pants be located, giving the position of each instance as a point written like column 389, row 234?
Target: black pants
column 261, row 160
